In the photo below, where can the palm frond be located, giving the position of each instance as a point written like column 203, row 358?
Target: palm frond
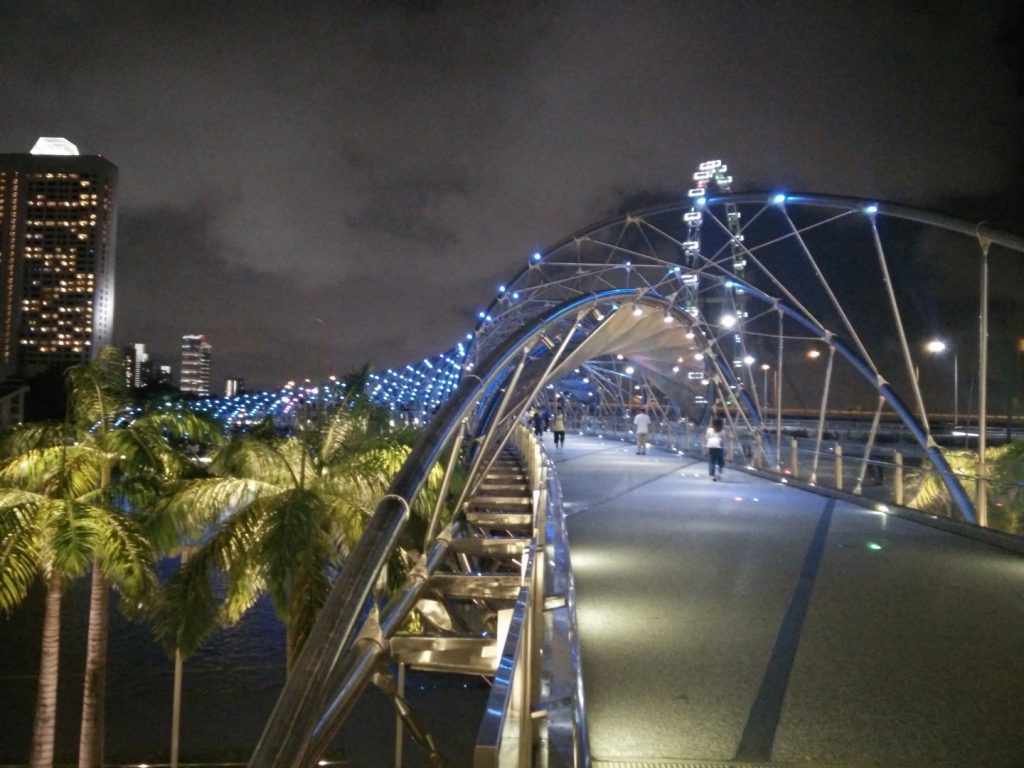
column 20, row 555
column 126, row 556
column 294, row 535
column 310, row 585
column 99, row 394
column 333, row 434
column 199, row 503
column 187, row 612
column 234, row 545
column 244, row 588
column 184, row 427
column 249, row 457
column 73, row 535
column 32, row 437
column 29, row 468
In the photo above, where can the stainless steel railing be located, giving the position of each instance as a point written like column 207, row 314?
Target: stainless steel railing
column 528, row 720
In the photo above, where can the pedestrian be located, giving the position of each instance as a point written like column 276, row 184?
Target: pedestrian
column 713, row 440
column 642, row 422
column 538, row 423
column 558, row 428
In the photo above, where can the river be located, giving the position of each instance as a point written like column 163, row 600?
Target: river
column 229, row 689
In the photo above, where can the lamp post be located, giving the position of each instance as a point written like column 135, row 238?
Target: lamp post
column 764, row 369
column 1016, row 374
column 937, row 347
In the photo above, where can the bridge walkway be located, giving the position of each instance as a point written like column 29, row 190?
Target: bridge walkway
column 747, row 622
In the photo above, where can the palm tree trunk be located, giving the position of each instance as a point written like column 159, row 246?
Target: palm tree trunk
column 90, row 742
column 45, row 727
column 289, row 648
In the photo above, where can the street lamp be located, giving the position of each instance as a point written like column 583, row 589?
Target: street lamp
column 765, row 368
column 937, row 347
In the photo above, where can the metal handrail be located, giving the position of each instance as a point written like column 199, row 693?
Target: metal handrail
column 509, row 729
column 570, row 739
column 504, row 734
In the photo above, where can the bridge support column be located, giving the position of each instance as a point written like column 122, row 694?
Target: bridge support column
column 897, row 459
column 839, row 466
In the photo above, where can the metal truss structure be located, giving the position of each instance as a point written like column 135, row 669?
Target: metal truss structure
column 683, row 310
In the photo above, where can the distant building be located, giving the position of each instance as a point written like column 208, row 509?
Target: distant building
column 12, row 404
column 137, row 368
column 195, row 365
column 58, row 215
column 233, row 387
column 165, row 375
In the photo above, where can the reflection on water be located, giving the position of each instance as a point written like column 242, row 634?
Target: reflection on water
column 229, row 689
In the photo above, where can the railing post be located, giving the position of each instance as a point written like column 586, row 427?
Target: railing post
column 794, row 458
column 897, row 459
column 839, row 466
column 758, row 450
column 537, row 591
column 399, row 725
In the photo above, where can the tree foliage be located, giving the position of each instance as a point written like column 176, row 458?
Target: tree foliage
column 1005, row 470
column 277, row 516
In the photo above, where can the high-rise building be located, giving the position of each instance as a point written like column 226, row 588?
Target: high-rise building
column 195, row 365
column 233, row 387
column 137, row 367
column 58, row 216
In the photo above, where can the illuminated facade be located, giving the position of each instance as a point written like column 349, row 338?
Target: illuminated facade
column 58, row 217
column 137, row 367
column 195, row 365
column 234, row 387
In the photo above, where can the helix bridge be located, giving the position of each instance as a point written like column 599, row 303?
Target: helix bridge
column 781, row 313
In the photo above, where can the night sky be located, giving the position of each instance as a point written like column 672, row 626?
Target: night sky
column 316, row 186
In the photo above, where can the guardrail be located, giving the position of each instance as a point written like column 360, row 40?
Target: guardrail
column 536, row 713
column 893, row 474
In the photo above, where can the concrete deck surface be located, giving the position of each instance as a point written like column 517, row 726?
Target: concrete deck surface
column 746, row 622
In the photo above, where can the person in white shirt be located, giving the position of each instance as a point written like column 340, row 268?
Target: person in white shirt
column 715, row 443
column 642, row 423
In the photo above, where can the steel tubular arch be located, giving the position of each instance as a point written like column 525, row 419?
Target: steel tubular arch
column 307, row 713
column 655, row 283
column 921, row 436
column 864, row 367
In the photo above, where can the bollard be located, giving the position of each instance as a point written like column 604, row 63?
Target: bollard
column 794, row 459
column 897, row 459
column 839, row 466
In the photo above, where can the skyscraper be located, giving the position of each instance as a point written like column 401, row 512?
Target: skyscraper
column 195, row 365
column 58, row 215
column 137, row 366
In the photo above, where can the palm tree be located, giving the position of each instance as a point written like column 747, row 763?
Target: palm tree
column 137, row 455
column 87, row 475
column 288, row 509
column 1005, row 468
column 51, row 524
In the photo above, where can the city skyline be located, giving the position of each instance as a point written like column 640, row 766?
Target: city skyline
column 320, row 189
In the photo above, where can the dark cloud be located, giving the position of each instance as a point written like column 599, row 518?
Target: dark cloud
column 384, row 166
